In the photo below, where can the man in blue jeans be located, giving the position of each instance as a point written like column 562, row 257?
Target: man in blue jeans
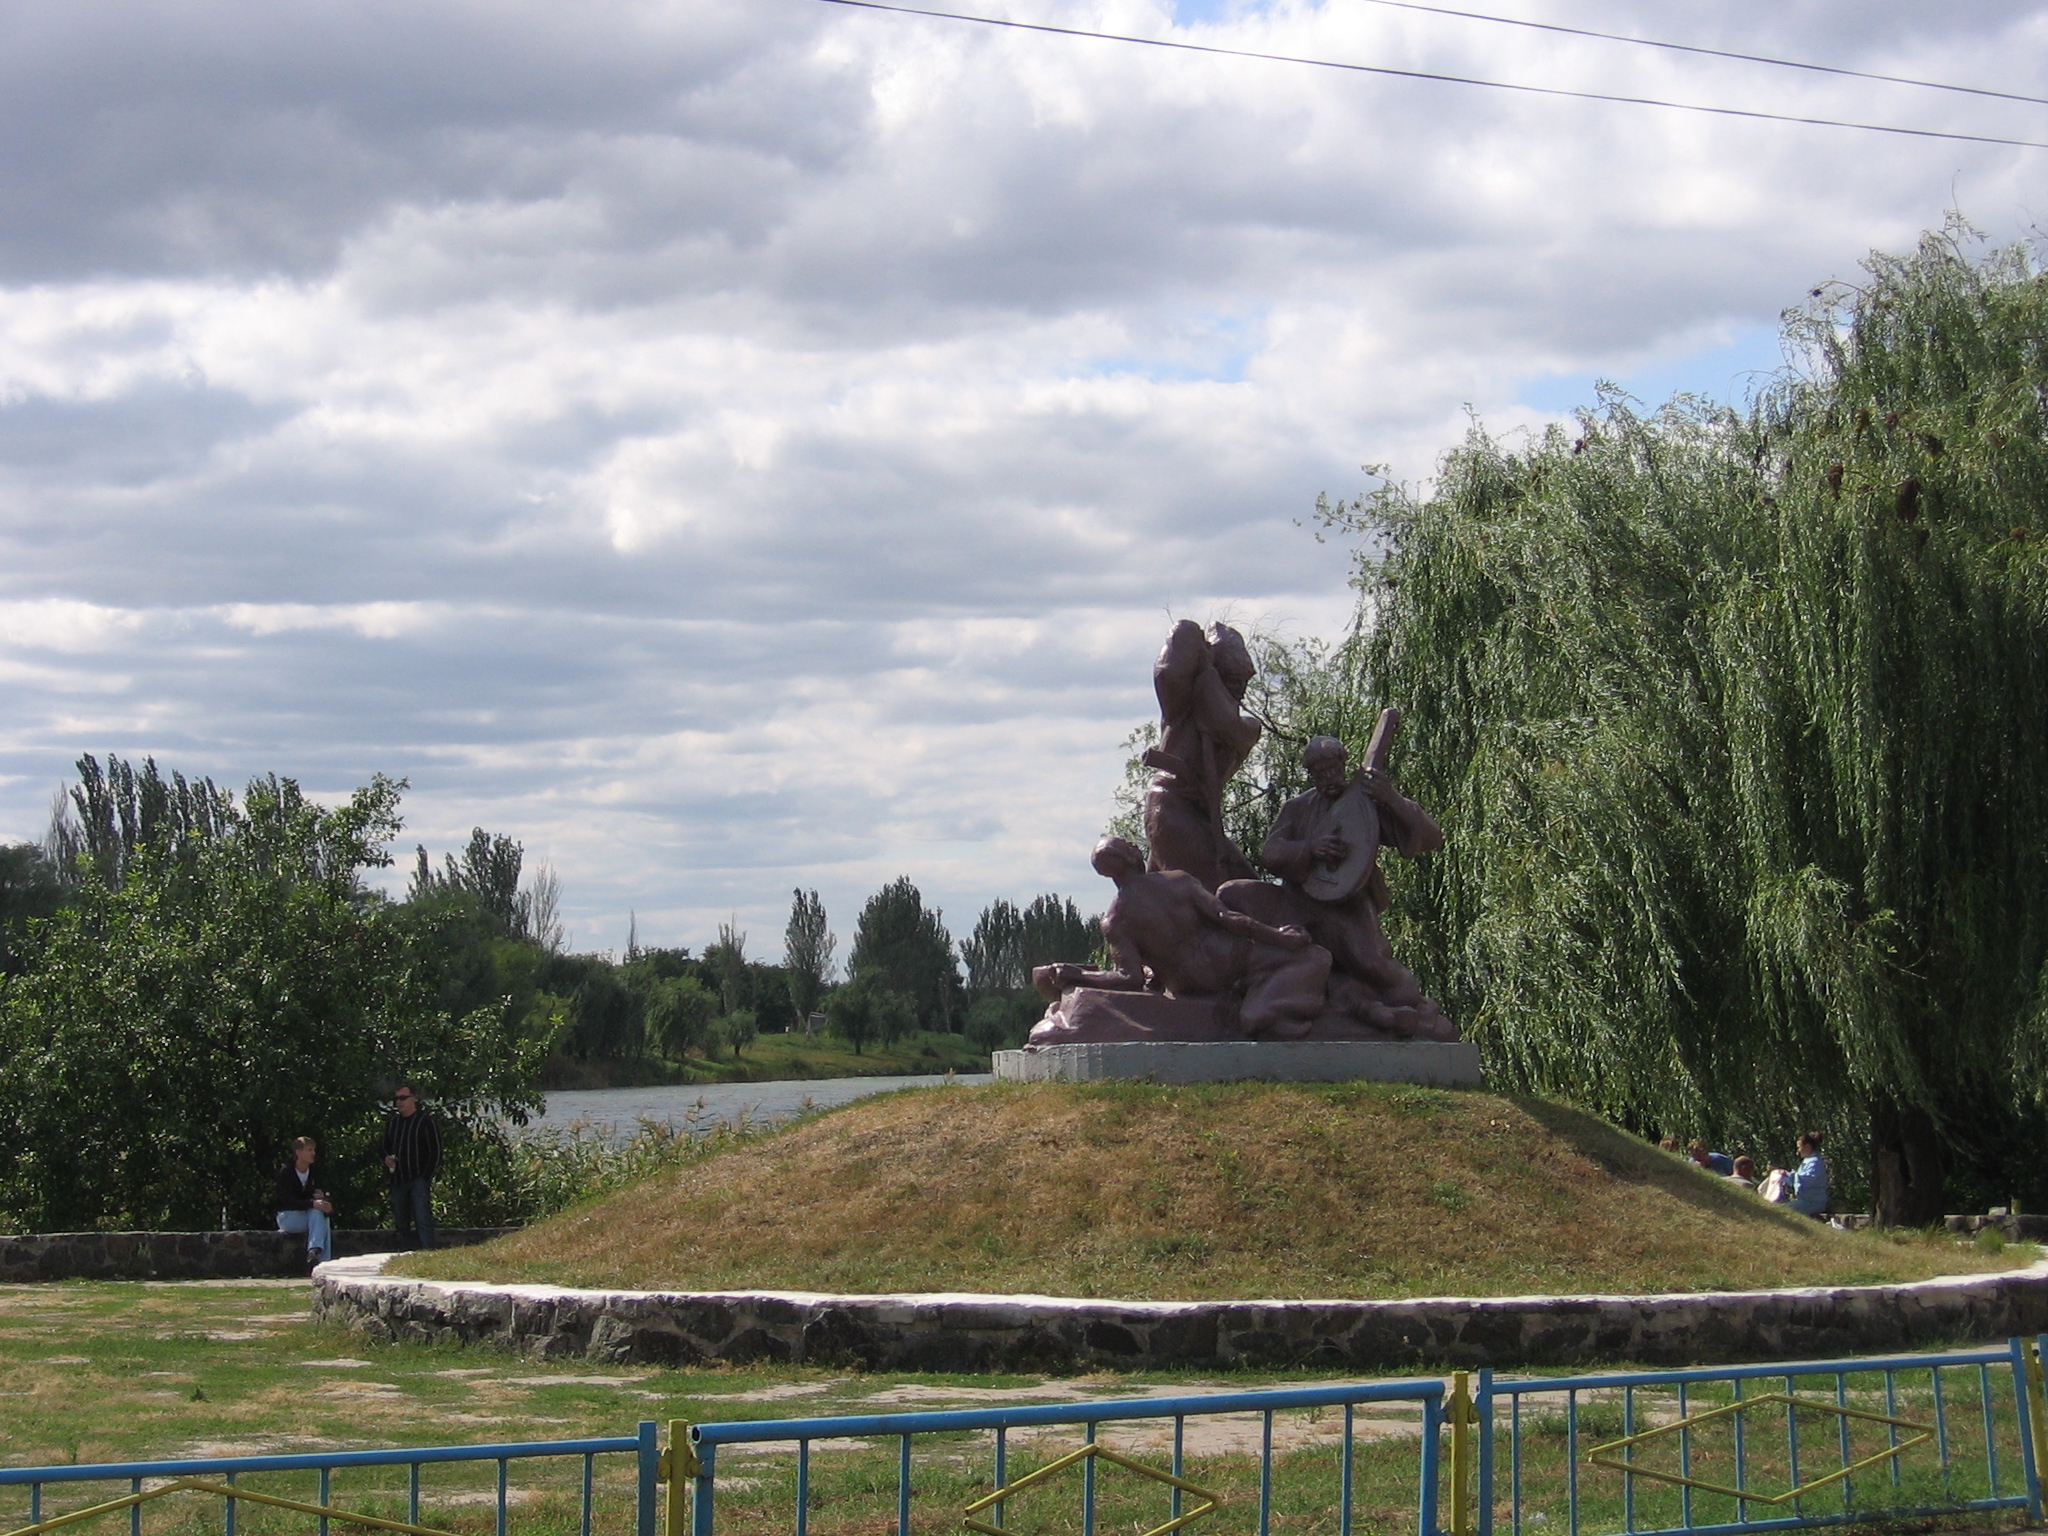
column 412, row 1156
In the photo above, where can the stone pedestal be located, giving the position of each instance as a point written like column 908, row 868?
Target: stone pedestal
column 1439, row 1064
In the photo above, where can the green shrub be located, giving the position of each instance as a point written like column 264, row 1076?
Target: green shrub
column 497, row 1176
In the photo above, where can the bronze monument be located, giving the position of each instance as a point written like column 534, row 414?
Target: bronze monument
column 1205, row 949
column 1204, row 738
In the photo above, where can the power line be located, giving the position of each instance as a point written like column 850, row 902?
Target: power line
column 1420, row 74
column 1711, row 53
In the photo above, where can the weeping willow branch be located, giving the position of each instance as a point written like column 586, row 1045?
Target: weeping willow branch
column 1737, row 724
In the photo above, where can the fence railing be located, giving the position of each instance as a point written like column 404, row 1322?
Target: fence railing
column 1705, row 1452
column 375, row 1502
column 1212, row 1478
column 1712, row 1451
column 1761, row 1447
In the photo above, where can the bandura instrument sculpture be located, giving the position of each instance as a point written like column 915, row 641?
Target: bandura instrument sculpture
column 1353, row 817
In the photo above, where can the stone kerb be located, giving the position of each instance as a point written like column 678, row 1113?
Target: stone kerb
column 234, row 1255
column 1042, row 1333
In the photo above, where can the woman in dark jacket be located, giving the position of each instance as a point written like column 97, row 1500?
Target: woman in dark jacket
column 302, row 1204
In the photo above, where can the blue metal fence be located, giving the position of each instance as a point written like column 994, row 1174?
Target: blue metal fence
column 193, row 1475
column 1714, row 1451
column 1426, row 1397
column 1718, row 1450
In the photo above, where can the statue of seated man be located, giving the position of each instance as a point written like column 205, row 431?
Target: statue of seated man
column 1168, row 933
column 1367, row 983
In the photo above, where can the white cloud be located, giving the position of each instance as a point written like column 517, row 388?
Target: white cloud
column 732, row 446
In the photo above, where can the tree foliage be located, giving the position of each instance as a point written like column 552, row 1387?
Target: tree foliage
column 1000, row 954
column 851, row 1010
column 725, row 967
column 807, row 945
column 487, row 872
column 234, row 987
column 679, row 1014
column 904, row 946
column 118, row 811
column 739, row 1029
column 1007, row 943
column 1735, row 724
column 31, row 888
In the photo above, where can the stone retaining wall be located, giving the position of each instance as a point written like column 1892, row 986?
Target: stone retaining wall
column 1031, row 1333
column 189, row 1255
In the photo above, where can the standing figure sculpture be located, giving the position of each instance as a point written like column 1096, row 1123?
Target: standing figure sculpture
column 1325, row 848
column 1204, row 737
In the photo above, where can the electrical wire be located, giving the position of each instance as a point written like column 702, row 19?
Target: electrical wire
column 1430, row 75
column 1711, row 53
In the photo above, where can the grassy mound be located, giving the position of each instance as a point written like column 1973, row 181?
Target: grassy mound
column 1240, row 1190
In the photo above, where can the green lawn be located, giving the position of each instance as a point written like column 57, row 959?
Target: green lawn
column 103, row 1372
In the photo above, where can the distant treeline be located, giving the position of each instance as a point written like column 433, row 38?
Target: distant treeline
column 489, row 938
column 189, row 979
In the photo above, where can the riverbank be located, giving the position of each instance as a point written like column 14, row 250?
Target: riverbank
column 774, row 1058
column 699, row 1108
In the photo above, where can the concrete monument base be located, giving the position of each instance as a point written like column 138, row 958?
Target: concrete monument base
column 1441, row 1064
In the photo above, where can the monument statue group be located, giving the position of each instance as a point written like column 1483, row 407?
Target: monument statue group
column 1206, row 947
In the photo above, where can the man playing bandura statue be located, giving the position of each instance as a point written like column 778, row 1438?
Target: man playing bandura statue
column 1366, row 983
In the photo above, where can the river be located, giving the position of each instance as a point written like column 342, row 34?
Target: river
column 707, row 1104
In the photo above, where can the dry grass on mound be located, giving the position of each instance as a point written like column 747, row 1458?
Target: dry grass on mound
column 1240, row 1190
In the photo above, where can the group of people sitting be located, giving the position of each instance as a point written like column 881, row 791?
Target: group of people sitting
column 1804, row 1189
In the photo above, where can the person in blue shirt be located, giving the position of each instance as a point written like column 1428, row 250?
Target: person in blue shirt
column 1713, row 1162
column 1809, row 1182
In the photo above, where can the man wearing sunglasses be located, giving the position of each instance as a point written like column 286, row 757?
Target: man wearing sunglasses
column 412, row 1156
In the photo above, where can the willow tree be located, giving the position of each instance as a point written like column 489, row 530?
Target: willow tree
column 1737, row 724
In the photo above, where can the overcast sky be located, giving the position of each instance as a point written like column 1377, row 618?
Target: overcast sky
column 739, row 444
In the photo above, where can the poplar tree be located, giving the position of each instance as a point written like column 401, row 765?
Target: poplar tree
column 807, row 945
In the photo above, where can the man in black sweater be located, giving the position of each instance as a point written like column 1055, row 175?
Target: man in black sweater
column 412, row 1156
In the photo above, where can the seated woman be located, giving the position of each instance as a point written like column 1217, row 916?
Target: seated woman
column 302, row 1205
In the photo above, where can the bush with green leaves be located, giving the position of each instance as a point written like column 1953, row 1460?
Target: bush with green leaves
column 233, row 986
column 739, row 1029
column 496, row 1176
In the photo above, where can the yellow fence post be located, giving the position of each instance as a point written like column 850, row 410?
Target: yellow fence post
column 2037, row 1404
column 678, row 1466
column 1462, row 1419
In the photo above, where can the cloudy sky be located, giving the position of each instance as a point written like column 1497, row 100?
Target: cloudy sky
column 740, row 444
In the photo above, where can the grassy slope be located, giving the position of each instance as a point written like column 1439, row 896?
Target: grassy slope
column 1245, row 1190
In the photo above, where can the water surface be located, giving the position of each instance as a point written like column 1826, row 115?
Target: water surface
column 708, row 1104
